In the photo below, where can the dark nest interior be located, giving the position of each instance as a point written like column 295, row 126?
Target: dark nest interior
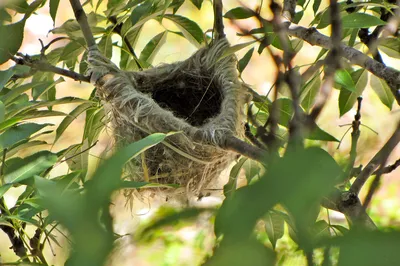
column 193, row 98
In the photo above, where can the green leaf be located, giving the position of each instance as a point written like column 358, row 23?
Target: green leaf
column 105, row 45
column 382, row 89
column 175, row 5
column 320, row 230
column 239, row 13
column 18, row 133
column 152, row 47
column 252, row 170
column 72, row 50
column 369, row 248
column 4, row 189
column 197, row 3
column 360, row 20
column 53, row 9
column 310, row 91
column 248, row 251
column 5, row 76
column 319, row 134
column 348, row 98
column 94, row 124
column 78, row 158
column 233, row 49
column 230, row 187
column 343, row 78
column 325, row 20
column 141, row 11
column 29, row 166
column 390, row 46
column 11, row 40
column 245, row 60
column 171, row 218
column 70, row 118
column 2, row 112
column 189, row 28
column 23, row 146
column 41, row 90
column 274, row 226
column 316, row 5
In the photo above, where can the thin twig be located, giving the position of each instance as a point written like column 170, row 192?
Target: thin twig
column 289, row 9
column 83, row 22
column 234, row 144
column 41, row 65
column 355, row 134
column 377, row 160
column 313, row 37
column 218, row 23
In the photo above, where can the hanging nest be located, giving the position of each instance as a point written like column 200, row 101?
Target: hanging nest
column 200, row 97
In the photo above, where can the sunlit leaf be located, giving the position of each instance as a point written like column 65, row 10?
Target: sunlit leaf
column 360, row 20
column 18, row 133
column 348, row 98
column 152, row 47
column 29, row 166
column 70, row 118
column 274, row 226
column 343, row 78
column 390, row 46
column 245, row 60
column 11, row 40
column 197, row 3
column 382, row 89
column 239, row 13
column 53, row 9
column 192, row 32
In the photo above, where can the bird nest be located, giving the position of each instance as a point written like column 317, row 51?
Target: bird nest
column 200, row 97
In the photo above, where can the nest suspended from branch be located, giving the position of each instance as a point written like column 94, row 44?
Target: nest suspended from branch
column 200, row 97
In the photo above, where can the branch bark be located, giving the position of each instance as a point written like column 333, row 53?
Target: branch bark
column 44, row 66
column 313, row 37
column 83, row 22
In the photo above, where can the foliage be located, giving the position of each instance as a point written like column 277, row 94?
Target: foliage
column 284, row 191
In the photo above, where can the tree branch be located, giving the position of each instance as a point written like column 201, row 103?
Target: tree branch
column 83, row 22
column 44, row 66
column 377, row 160
column 218, row 23
column 289, row 9
column 313, row 37
column 237, row 145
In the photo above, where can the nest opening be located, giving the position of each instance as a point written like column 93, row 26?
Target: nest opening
column 193, row 98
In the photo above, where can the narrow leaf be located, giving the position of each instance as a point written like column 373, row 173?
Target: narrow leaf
column 152, row 47
column 29, row 166
column 245, row 60
column 18, row 133
column 274, row 226
column 11, row 39
column 239, row 13
column 343, row 78
column 53, row 9
column 192, row 32
column 5, row 76
column 361, row 20
column 348, row 98
column 197, row 3
column 70, row 118
column 382, row 89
